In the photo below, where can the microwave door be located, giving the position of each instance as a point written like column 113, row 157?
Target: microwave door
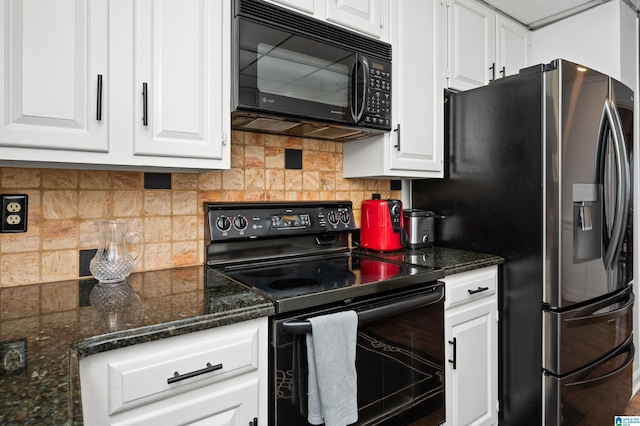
column 283, row 72
column 360, row 85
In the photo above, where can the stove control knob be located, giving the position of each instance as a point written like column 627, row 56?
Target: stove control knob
column 345, row 217
column 332, row 217
column 240, row 223
column 223, row 223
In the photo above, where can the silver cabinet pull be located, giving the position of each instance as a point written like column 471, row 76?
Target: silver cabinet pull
column 145, row 119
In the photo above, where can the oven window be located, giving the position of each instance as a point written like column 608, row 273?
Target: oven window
column 400, row 366
column 293, row 74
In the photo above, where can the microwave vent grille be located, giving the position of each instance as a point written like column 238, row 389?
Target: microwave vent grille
column 281, row 18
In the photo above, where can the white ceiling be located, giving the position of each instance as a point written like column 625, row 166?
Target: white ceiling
column 538, row 13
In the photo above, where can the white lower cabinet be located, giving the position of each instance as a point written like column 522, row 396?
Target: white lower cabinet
column 471, row 339
column 213, row 377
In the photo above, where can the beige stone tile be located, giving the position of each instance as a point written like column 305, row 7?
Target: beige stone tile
column 327, row 195
column 185, row 253
column 327, row 181
column 127, row 203
column 293, row 180
column 237, row 137
column 157, row 256
column 310, row 180
column 293, row 143
column 358, row 184
column 26, row 297
column 254, row 179
column 253, row 156
column 59, row 179
column 89, row 234
column 237, row 156
column 95, row 179
column 210, row 181
column 94, row 204
column 274, row 140
column 274, row 158
column 327, row 146
column 157, row 229
column 371, row 185
column 310, row 144
column 311, row 195
column 254, row 196
column 20, row 178
column 233, row 179
column 184, row 202
column 61, row 204
column 253, row 138
column 274, row 179
column 128, row 180
column 61, row 296
column 185, row 228
column 232, row 196
column 19, row 268
column 207, row 196
column 342, row 183
column 157, row 202
column 184, row 181
column 20, row 242
column 60, row 234
column 59, row 265
column 275, row 196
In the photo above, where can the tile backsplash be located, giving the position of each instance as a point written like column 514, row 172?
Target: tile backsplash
column 167, row 208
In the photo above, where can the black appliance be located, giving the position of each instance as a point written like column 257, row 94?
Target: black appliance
column 299, row 76
column 297, row 255
column 538, row 171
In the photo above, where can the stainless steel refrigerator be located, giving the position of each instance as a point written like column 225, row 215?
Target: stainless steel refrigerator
column 539, row 171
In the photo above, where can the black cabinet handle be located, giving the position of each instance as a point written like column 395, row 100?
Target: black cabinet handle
column 478, row 290
column 208, row 369
column 454, row 361
column 99, row 99
column 493, row 71
column 254, row 422
column 145, row 120
column 397, row 146
column 503, row 72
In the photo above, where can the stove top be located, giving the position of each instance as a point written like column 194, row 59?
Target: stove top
column 297, row 254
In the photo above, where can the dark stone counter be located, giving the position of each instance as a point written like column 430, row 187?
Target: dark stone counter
column 451, row 260
column 59, row 323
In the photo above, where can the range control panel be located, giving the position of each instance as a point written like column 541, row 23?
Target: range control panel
column 233, row 221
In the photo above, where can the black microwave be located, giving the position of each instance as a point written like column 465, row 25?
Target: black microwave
column 299, row 76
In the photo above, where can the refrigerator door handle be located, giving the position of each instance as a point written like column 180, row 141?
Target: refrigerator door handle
column 628, row 347
column 585, row 317
column 610, row 122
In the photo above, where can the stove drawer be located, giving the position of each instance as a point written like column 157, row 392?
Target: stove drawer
column 148, row 372
column 468, row 286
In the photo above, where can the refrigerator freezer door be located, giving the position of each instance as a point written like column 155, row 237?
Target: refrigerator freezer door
column 592, row 395
column 576, row 337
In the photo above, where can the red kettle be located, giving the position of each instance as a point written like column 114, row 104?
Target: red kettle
column 382, row 225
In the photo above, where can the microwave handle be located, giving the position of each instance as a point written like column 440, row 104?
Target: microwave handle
column 359, row 66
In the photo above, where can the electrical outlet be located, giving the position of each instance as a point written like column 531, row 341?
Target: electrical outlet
column 13, row 356
column 14, row 213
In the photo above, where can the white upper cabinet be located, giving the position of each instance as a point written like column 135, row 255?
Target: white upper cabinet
column 54, row 59
column 483, row 45
column 73, row 73
column 178, row 71
column 369, row 17
column 415, row 148
column 365, row 16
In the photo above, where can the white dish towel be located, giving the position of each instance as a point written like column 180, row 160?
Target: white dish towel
column 333, row 381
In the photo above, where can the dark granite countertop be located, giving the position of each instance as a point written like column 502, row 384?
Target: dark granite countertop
column 59, row 323
column 451, row 260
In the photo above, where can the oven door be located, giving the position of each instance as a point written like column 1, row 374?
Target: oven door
column 399, row 360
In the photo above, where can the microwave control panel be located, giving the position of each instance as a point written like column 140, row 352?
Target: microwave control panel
column 379, row 95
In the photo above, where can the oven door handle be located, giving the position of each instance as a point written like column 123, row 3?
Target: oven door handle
column 373, row 314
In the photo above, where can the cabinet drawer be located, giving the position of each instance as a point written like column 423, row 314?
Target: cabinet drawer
column 139, row 375
column 469, row 286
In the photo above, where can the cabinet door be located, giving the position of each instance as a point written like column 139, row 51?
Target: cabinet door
column 471, row 374
column 365, row 16
column 418, row 86
column 472, row 45
column 513, row 47
column 53, row 55
column 182, row 78
column 235, row 405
